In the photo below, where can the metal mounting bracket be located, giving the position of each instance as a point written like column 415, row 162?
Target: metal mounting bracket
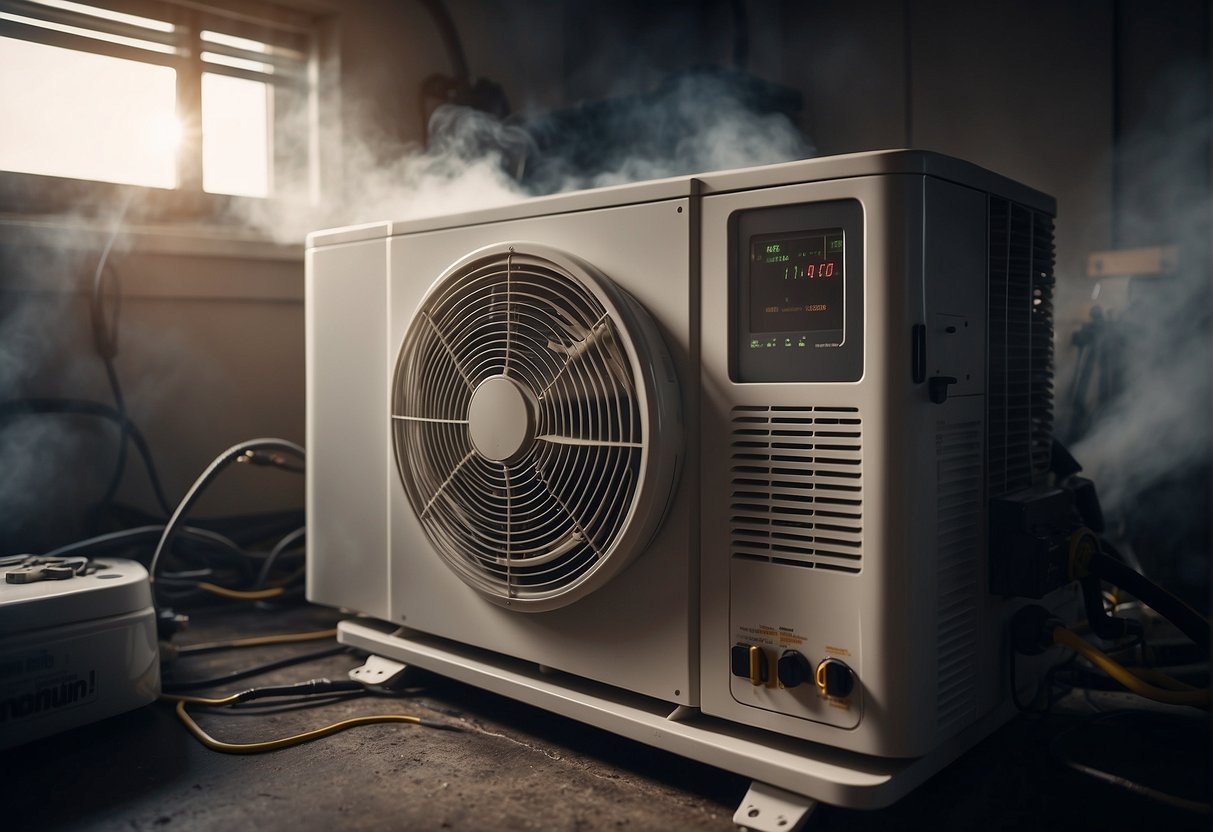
column 769, row 809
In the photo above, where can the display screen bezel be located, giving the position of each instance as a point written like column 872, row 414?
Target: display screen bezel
column 759, row 355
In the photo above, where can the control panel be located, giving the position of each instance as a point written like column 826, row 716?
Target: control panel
column 792, row 658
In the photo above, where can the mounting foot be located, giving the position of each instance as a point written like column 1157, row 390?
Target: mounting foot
column 768, row 809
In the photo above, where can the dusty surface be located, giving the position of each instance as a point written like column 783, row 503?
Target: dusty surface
column 511, row 767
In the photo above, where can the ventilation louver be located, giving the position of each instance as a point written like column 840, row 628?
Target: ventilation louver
column 797, row 494
column 535, row 425
column 1021, row 347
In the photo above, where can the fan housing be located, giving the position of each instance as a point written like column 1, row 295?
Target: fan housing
column 537, row 448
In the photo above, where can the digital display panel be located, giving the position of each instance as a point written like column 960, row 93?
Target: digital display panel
column 796, row 283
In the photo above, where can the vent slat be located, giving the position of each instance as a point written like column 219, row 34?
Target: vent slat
column 1020, row 332
column 958, row 523
column 797, row 486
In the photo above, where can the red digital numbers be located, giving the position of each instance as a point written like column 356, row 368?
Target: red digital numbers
column 810, row 271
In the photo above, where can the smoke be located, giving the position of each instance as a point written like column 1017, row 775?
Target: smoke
column 694, row 122
column 1146, row 442
column 384, row 179
column 55, row 465
column 52, row 460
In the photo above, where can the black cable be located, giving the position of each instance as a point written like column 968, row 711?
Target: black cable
column 1045, row 686
column 450, row 39
column 311, row 687
column 247, row 530
column 282, row 545
column 250, row 451
column 1102, row 623
column 225, row 562
column 129, row 536
column 1183, row 725
column 1151, row 594
column 174, row 687
column 287, row 704
column 23, row 407
column 105, row 339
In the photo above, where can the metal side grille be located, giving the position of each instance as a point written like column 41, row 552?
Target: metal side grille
column 958, row 513
column 1020, row 401
column 797, row 486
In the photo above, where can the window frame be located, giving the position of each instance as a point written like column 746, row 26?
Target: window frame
column 303, row 66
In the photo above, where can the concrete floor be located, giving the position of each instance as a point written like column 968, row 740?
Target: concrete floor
column 510, row 767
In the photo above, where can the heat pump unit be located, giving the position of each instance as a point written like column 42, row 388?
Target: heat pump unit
column 703, row 461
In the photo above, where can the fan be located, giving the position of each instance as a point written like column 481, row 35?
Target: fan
column 535, row 440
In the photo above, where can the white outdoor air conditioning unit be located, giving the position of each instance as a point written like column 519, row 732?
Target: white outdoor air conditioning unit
column 703, row 461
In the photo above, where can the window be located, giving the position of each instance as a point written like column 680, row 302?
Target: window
column 200, row 99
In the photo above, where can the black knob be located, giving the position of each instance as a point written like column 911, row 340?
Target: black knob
column 937, row 388
column 793, row 669
column 749, row 661
column 835, row 679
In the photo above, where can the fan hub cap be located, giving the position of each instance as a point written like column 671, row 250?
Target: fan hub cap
column 501, row 419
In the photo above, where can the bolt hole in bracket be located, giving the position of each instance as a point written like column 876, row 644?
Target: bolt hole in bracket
column 769, row 809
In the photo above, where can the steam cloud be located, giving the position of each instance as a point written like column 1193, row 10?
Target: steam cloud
column 1147, row 446
column 698, row 122
column 54, row 466
column 50, row 463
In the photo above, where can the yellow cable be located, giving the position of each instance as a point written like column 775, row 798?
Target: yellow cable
column 201, row 700
column 1159, row 678
column 257, row 641
column 241, row 594
column 1197, row 698
column 282, row 742
column 1083, row 547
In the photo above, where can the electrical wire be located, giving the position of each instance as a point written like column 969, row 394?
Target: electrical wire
column 294, row 704
column 449, row 34
column 282, row 545
column 250, row 451
column 240, row 594
column 129, row 536
column 1195, row 697
column 1171, row 607
column 1159, row 678
column 310, row 688
column 256, row 641
column 105, row 339
column 1157, row 795
column 295, row 739
column 237, row 565
column 290, row 661
column 1044, row 686
column 21, row 407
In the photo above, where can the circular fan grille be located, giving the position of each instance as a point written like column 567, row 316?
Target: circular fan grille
column 523, row 424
